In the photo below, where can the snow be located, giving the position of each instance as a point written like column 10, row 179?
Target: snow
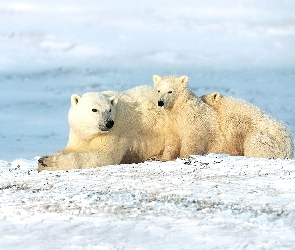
column 205, row 202
column 52, row 49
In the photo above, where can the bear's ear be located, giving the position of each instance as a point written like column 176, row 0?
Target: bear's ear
column 156, row 79
column 75, row 99
column 183, row 80
column 216, row 96
column 114, row 100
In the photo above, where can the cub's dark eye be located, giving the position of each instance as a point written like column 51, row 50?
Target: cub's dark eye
column 158, row 91
column 94, row 110
column 110, row 110
column 170, row 92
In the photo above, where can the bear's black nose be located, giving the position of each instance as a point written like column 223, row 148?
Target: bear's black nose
column 110, row 124
column 160, row 103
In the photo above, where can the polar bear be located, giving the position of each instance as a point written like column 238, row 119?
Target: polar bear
column 112, row 128
column 194, row 121
column 248, row 130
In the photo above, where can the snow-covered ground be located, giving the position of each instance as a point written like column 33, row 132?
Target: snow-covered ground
column 52, row 49
column 204, row 202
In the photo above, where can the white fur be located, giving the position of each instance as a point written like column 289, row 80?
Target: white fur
column 193, row 121
column 250, row 131
column 138, row 132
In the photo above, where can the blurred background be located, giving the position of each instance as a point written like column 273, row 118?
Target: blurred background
column 52, row 49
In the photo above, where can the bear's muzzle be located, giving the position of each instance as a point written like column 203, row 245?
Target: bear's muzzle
column 109, row 124
column 160, row 103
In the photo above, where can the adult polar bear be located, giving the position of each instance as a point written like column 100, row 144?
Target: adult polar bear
column 112, row 128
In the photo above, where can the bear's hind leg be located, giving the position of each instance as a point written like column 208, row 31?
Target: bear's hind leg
column 261, row 145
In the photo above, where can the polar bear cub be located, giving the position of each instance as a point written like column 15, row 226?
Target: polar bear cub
column 248, row 130
column 194, row 121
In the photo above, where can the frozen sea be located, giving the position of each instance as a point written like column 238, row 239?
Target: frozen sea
column 52, row 49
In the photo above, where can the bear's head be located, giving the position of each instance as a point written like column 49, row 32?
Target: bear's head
column 92, row 113
column 212, row 99
column 168, row 89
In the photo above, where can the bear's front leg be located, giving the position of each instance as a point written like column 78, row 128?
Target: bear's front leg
column 172, row 145
column 170, row 153
column 57, row 162
column 191, row 147
column 79, row 160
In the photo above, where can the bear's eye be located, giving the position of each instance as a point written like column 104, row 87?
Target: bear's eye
column 94, row 110
column 110, row 110
column 158, row 91
column 170, row 92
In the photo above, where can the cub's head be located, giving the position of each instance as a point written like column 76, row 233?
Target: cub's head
column 92, row 113
column 168, row 88
column 212, row 99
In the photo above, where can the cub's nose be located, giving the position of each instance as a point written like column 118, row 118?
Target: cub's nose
column 160, row 103
column 110, row 124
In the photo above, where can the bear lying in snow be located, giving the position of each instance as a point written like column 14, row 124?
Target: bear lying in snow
column 112, row 128
column 194, row 121
column 248, row 130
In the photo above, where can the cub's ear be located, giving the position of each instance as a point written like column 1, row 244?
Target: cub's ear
column 156, row 79
column 216, row 96
column 183, row 80
column 114, row 100
column 75, row 99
